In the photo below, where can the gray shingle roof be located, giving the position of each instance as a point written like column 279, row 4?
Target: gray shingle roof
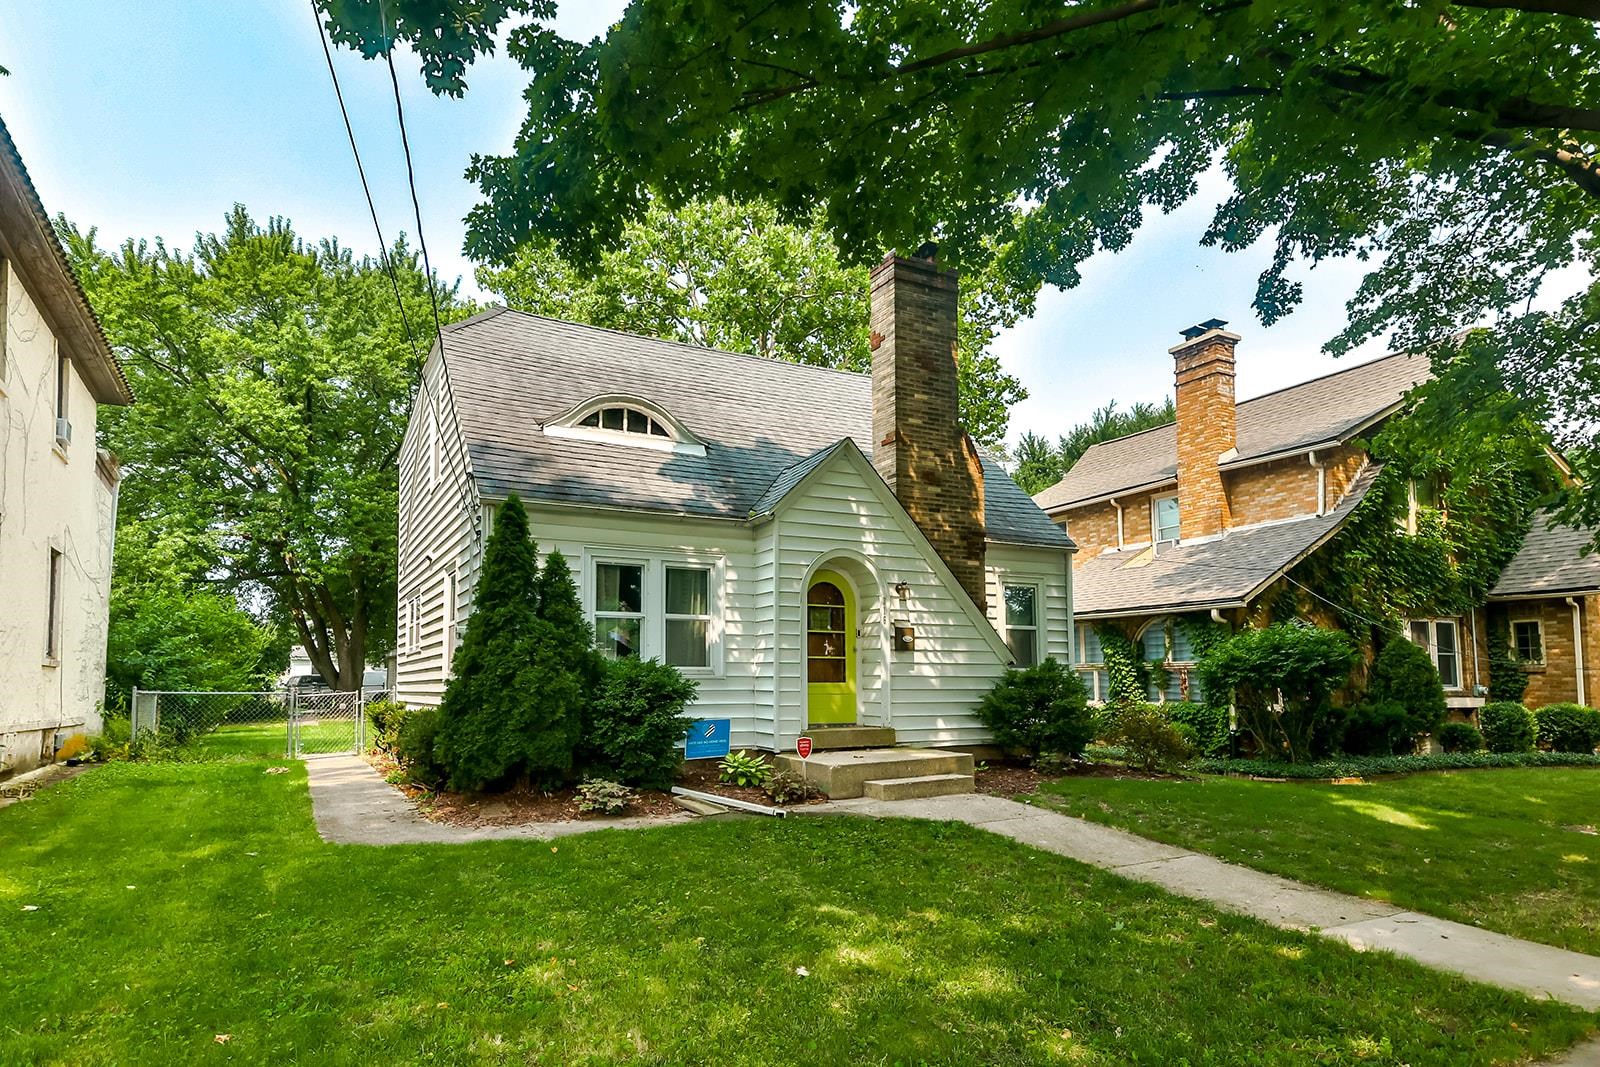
column 1319, row 412
column 510, row 372
column 1225, row 571
column 1551, row 562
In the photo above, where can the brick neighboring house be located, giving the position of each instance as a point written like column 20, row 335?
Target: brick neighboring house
column 1548, row 602
column 1206, row 518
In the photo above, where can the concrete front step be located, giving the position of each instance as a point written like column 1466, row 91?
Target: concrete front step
column 844, row 773
column 831, row 738
column 918, row 788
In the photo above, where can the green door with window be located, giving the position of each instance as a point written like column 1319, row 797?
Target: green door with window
column 830, row 651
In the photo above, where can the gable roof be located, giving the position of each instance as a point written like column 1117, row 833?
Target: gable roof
column 27, row 236
column 1219, row 572
column 761, row 420
column 1324, row 411
column 1551, row 562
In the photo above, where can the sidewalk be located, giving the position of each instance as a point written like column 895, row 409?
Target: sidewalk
column 1497, row 959
column 353, row 805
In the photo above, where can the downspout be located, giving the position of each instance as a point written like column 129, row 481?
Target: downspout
column 1322, row 481
column 1577, row 643
column 1476, row 655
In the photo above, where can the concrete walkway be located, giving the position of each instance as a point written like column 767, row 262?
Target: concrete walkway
column 1535, row 969
column 353, row 805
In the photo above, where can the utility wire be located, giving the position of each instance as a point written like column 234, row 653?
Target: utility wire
column 383, row 247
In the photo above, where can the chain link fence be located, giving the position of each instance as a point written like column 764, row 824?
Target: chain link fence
column 279, row 723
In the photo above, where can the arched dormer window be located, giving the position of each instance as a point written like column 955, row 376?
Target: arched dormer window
column 625, row 421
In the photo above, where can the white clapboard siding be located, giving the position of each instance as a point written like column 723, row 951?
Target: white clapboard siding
column 843, row 511
column 1046, row 568
column 437, row 535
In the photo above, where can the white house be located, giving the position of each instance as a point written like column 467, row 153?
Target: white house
column 818, row 548
column 57, row 492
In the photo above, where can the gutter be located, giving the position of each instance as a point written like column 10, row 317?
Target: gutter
column 1577, row 643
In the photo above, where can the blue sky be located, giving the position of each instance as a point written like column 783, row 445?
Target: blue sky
column 152, row 119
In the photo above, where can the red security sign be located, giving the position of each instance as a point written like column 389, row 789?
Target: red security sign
column 802, row 747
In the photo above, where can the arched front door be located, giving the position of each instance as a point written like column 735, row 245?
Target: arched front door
column 830, row 651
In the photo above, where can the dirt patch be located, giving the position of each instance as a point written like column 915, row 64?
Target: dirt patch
column 1011, row 780
column 21, row 787
column 515, row 807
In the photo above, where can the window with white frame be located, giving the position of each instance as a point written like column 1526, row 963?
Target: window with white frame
column 1091, row 663
column 412, row 622
column 621, row 419
column 1527, row 641
column 1022, row 623
column 619, row 608
column 448, row 614
column 1164, row 525
column 1167, row 647
column 688, row 616
column 1442, row 639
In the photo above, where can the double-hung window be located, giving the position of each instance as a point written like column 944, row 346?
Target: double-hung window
column 1164, row 526
column 1527, row 642
column 1091, row 663
column 1022, row 623
column 619, row 608
column 688, row 616
column 1442, row 639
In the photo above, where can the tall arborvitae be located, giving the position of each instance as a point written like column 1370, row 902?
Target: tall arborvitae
column 484, row 706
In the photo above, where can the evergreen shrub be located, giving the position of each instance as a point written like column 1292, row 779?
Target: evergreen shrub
column 1568, row 727
column 1372, row 728
column 414, row 745
column 1403, row 675
column 1295, row 661
column 636, row 722
column 1042, row 709
column 1208, row 725
column 1507, row 727
column 1460, row 737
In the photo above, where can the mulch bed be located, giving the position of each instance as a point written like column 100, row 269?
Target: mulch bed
column 1011, row 780
column 523, row 805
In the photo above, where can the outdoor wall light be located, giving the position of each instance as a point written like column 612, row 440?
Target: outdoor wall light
column 902, row 590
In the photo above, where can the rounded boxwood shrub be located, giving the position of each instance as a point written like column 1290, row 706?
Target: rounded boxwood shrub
column 636, row 721
column 1040, row 710
column 1507, row 727
column 1404, row 675
column 1568, row 727
column 1459, row 737
column 1377, row 728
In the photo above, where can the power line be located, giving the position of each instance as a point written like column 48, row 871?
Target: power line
column 416, row 206
column 361, row 171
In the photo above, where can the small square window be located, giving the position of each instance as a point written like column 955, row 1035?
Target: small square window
column 1527, row 641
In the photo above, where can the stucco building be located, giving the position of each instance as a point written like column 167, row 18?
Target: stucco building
column 57, row 491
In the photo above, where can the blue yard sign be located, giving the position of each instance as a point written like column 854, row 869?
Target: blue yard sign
column 708, row 739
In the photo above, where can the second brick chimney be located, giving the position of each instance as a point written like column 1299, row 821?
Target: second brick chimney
column 918, row 445
column 1206, row 426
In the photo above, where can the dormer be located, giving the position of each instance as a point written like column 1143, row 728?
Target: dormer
column 625, row 420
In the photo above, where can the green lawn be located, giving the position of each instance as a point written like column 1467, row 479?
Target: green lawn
column 1489, row 847
column 317, row 736
column 923, row 943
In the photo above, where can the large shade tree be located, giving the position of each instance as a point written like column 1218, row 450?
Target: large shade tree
column 1453, row 143
column 274, row 379
column 734, row 276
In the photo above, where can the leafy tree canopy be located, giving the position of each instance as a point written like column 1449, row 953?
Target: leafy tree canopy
column 1039, row 464
column 734, row 276
column 274, row 380
column 1454, row 144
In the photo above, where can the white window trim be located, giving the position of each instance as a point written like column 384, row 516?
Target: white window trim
column 1511, row 635
column 653, row 596
column 1155, row 522
column 680, row 440
column 1432, row 648
column 1089, row 671
column 1167, row 663
column 55, row 583
column 447, row 603
column 1039, row 651
column 413, row 620
column 709, row 618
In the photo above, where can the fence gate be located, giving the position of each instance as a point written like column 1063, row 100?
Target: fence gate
column 274, row 722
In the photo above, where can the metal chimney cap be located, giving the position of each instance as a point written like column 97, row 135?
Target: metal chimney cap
column 1204, row 327
column 929, row 251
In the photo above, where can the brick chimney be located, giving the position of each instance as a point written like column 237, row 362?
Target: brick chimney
column 920, row 448
column 1206, row 426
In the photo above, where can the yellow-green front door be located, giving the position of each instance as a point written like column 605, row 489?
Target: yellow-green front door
column 830, row 650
